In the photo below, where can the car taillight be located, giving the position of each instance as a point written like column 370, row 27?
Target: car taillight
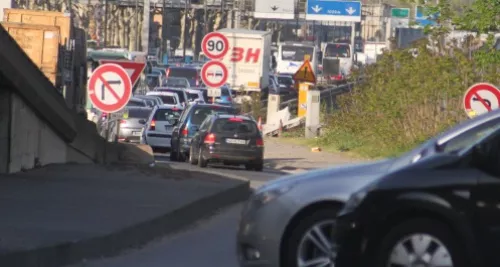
column 235, row 119
column 168, row 72
column 209, row 139
column 185, row 132
column 123, row 121
column 229, row 99
column 103, row 115
column 152, row 126
column 259, row 142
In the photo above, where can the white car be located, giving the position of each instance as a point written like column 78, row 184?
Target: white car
column 195, row 96
column 168, row 98
column 159, row 127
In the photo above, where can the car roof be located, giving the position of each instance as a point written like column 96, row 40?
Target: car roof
column 193, row 90
column 228, row 116
column 169, row 88
column 139, row 108
column 136, row 99
column 183, row 67
column 167, row 106
column 467, row 125
column 161, row 93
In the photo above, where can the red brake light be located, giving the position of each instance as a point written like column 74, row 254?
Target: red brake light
column 259, row 142
column 152, row 126
column 175, row 109
column 123, row 121
column 168, row 72
column 185, row 132
column 235, row 119
column 209, row 139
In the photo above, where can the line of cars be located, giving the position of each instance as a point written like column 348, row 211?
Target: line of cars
column 436, row 205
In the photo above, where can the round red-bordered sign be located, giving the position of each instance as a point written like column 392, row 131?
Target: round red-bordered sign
column 214, row 74
column 109, row 88
column 215, row 45
column 481, row 98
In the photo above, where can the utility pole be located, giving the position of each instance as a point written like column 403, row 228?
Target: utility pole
column 297, row 18
column 164, row 49
column 137, row 25
column 105, row 23
column 184, row 43
column 145, row 26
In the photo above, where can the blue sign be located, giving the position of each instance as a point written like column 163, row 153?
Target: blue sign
column 424, row 20
column 328, row 10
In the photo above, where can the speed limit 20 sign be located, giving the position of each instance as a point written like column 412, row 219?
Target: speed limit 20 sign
column 215, row 45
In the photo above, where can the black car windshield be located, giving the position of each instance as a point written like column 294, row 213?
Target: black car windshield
column 137, row 113
column 285, row 80
column 337, row 50
column 188, row 73
column 136, row 103
column 201, row 113
column 295, row 52
column 167, row 114
column 177, row 82
column 235, row 126
column 168, row 99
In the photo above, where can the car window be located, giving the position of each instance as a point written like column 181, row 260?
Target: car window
column 173, row 82
column 206, row 123
column 285, row 80
column 234, row 126
column 168, row 99
column 192, row 96
column 136, row 103
column 187, row 73
column 167, row 114
column 469, row 138
column 139, row 113
column 201, row 113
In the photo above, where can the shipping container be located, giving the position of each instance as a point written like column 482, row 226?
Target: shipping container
column 41, row 17
column 40, row 43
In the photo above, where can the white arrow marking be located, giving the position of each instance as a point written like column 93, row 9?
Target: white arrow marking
column 316, row 8
column 350, row 10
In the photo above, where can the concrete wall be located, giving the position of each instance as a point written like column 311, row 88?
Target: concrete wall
column 4, row 130
column 32, row 140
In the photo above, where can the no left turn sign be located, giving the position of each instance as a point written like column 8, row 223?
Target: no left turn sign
column 215, row 45
column 481, row 98
column 109, row 88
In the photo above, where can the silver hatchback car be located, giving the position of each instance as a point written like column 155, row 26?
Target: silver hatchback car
column 132, row 124
column 289, row 222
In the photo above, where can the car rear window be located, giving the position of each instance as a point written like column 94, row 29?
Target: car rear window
column 139, row 113
column 168, row 99
column 190, row 74
column 201, row 113
column 192, row 96
column 285, row 80
column 178, row 93
column 167, row 114
column 136, row 103
column 232, row 126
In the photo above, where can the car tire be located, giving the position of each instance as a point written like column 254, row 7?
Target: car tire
column 181, row 157
column 292, row 244
column 173, row 154
column 440, row 234
column 259, row 167
column 192, row 159
column 203, row 163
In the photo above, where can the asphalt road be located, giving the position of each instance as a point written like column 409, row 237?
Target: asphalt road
column 209, row 242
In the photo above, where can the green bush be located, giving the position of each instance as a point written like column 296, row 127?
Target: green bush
column 405, row 99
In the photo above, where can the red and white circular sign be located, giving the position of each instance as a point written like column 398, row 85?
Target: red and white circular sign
column 214, row 74
column 481, row 98
column 109, row 88
column 215, row 45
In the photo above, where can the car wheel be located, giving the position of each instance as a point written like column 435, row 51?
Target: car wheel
column 180, row 156
column 192, row 158
column 201, row 161
column 420, row 242
column 173, row 154
column 310, row 243
column 259, row 167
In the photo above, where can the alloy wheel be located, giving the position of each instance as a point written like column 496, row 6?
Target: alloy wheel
column 419, row 250
column 317, row 249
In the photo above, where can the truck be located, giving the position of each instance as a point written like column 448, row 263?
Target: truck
column 40, row 43
column 68, row 53
column 248, row 59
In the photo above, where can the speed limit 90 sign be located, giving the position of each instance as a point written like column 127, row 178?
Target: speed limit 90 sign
column 215, row 45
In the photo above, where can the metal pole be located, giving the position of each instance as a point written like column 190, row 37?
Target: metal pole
column 105, row 149
column 137, row 25
column 297, row 13
column 184, row 43
column 164, row 29
column 105, row 23
column 205, row 18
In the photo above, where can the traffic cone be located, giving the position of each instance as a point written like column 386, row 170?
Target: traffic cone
column 259, row 124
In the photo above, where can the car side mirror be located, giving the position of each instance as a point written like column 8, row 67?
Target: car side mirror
column 142, row 121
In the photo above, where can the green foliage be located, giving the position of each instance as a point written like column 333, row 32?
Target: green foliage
column 409, row 96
